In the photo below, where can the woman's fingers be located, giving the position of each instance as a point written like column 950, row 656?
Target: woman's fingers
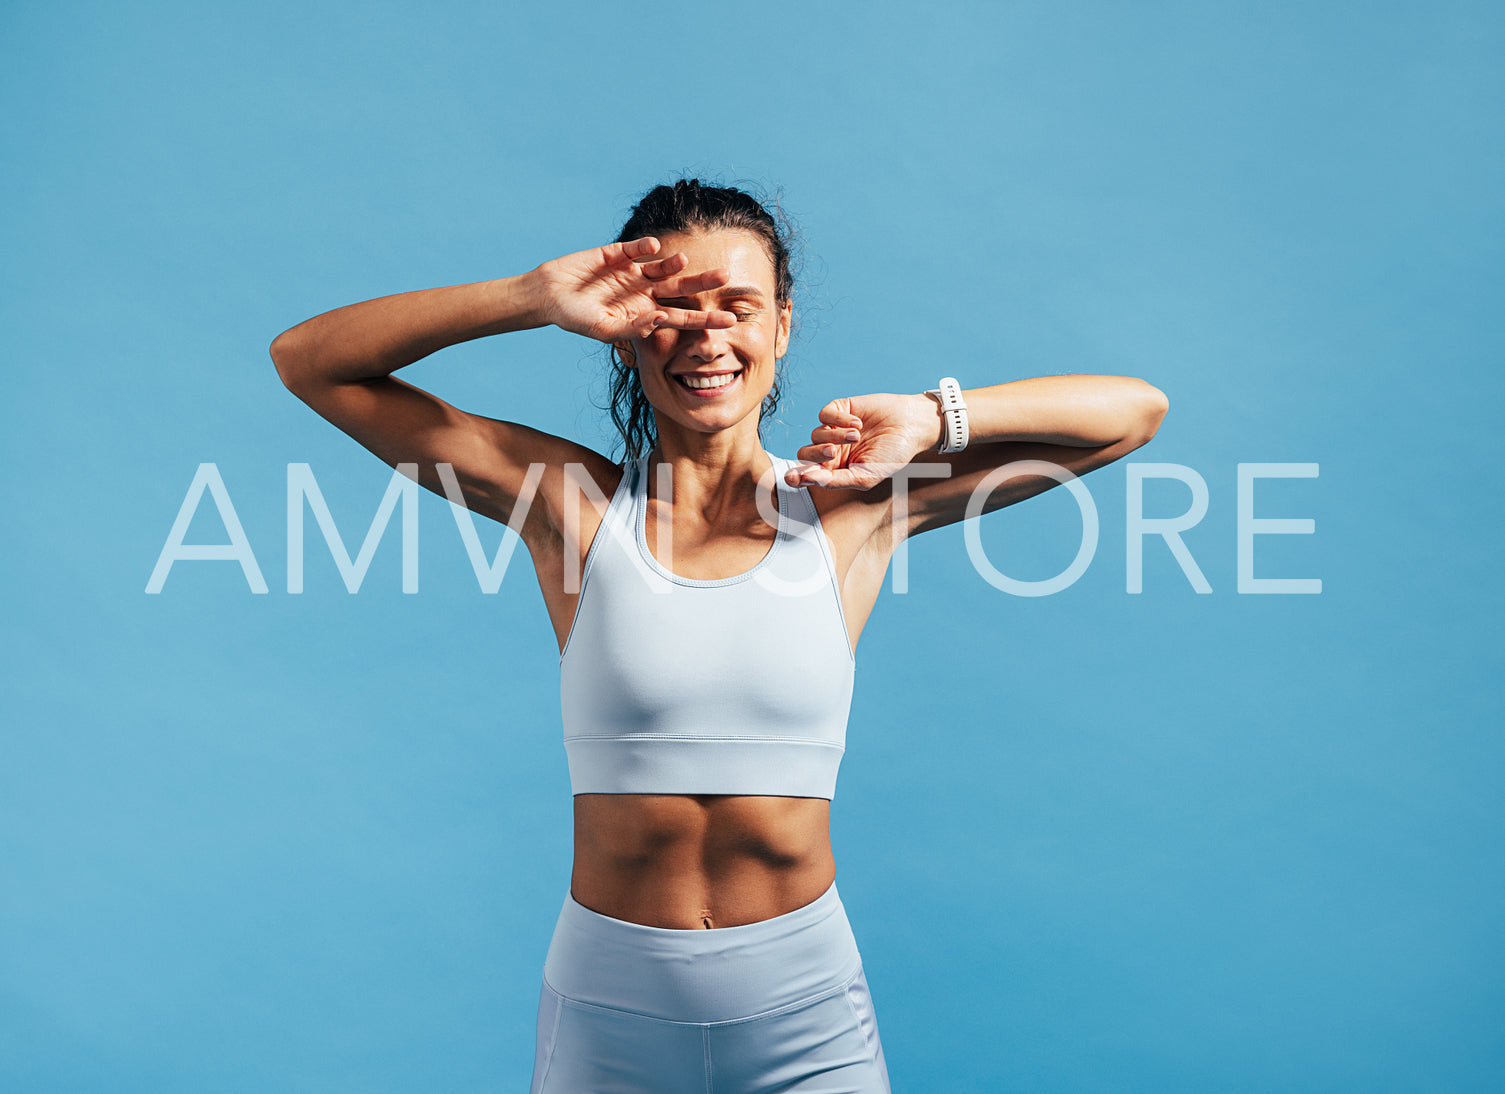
column 808, row 474
column 831, row 434
column 664, row 267
column 818, row 453
column 635, row 249
column 841, row 478
column 685, row 319
column 666, row 281
column 690, row 284
column 836, row 413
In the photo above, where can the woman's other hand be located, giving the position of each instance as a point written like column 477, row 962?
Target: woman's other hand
column 865, row 439
column 612, row 293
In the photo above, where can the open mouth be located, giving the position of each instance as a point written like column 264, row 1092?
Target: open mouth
column 706, row 382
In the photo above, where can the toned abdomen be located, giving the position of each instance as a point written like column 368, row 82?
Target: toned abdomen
column 696, row 861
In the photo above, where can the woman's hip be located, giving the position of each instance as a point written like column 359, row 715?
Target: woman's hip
column 702, row 976
column 781, row 1004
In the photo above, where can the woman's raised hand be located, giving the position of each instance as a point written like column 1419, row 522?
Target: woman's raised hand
column 863, row 440
column 612, row 293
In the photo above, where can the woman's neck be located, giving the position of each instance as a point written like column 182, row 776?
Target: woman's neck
column 711, row 470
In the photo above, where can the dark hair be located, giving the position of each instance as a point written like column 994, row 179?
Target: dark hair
column 685, row 207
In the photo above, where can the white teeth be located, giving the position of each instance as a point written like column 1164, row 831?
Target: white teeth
column 700, row 383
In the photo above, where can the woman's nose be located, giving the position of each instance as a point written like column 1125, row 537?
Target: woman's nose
column 707, row 344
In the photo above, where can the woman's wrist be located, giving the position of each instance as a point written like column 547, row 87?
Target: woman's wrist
column 926, row 423
column 528, row 299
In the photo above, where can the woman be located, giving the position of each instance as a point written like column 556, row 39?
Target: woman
column 706, row 598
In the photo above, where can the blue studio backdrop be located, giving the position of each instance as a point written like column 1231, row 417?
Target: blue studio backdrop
column 1166, row 828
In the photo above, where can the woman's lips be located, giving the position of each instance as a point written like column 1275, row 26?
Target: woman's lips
column 706, row 384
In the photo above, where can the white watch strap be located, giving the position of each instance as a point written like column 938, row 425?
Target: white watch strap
column 953, row 414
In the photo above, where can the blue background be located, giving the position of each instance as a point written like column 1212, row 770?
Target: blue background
column 1106, row 841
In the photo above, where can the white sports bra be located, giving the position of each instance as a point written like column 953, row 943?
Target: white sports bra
column 739, row 685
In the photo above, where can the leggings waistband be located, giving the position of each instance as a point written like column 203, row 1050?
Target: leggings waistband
column 717, row 975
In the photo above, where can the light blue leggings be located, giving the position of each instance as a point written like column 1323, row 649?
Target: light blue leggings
column 778, row 1005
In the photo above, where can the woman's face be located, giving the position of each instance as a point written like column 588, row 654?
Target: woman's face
column 712, row 380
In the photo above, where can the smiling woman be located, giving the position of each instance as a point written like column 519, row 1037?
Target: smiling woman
column 716, row 372
column 689, row 209
column 702, row 934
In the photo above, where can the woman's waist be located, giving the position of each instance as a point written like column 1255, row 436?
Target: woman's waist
column 696, row 861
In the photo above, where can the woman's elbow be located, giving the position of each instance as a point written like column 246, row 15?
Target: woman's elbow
column 1150, row 412
column 284, row 351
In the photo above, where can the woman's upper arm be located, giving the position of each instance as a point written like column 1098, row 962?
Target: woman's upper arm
column 865, row 526
column 491, row 459
column 937, row 502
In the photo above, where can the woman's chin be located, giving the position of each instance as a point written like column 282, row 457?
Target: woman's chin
column 711, row 420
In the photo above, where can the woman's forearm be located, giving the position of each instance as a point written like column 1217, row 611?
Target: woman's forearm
column 863, row 439
column 376, row 337
column 1079, row 411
